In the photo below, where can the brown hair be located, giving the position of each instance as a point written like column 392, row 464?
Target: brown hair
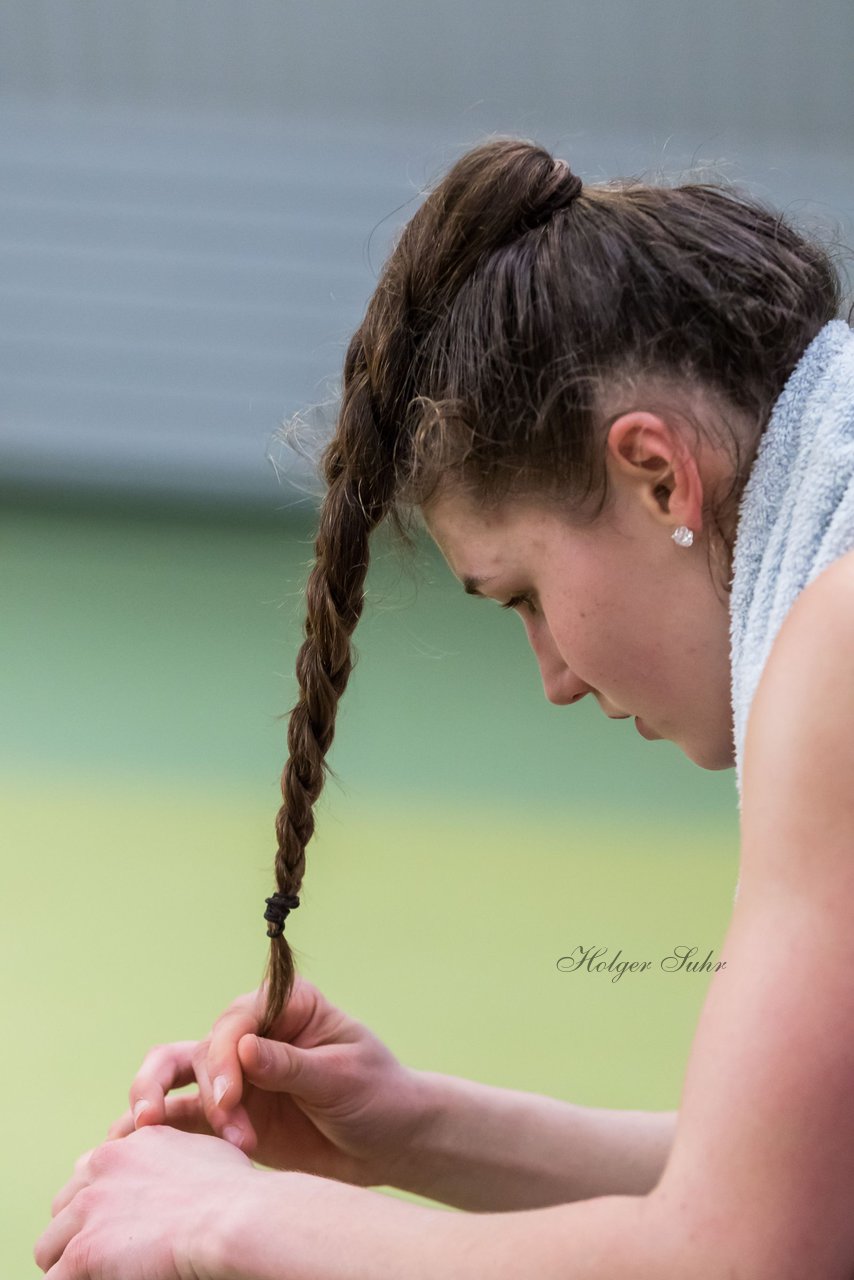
column 512, row 301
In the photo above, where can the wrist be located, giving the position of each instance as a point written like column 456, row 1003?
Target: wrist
column 298, row 1225
column 428, row 1105
column 441, row 1144
column 226, row 1239
column 412, row 1109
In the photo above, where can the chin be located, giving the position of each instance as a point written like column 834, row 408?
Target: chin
column 714, row 757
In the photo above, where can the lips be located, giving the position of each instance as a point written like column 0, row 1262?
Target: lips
column 645, row 731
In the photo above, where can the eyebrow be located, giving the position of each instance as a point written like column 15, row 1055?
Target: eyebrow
column 470, row 585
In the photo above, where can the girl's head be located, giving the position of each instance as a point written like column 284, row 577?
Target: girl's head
column 554, row 377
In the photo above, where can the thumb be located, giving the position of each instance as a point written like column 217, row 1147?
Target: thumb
column 275, row 1066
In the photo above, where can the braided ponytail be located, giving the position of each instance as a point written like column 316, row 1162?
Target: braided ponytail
column 334, row 603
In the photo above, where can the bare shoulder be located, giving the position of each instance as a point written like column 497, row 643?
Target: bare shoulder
column 799, row 745
column 766, row 1117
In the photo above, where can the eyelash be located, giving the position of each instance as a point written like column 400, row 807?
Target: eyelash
column 517, row 600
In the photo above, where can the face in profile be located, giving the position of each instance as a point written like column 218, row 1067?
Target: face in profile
column 616, row 609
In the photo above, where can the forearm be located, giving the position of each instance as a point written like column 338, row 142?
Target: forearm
column 486, row 1149
column 306, row 1228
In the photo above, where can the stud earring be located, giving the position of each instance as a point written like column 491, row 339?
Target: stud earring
column 683, row 535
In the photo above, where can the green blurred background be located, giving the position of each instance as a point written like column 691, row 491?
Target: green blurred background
column 196, row 197
column 477, row 833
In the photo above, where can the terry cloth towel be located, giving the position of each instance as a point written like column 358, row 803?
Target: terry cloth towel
column 796, row 514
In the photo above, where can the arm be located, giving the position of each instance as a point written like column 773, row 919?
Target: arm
column 484, row 1148
column 305, row 1228
column 170, row 1205
column 762, row 1164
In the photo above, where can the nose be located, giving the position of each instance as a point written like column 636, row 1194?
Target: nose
column 562, row 687
column 560, row 684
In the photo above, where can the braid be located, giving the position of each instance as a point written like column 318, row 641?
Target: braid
column 358, row 478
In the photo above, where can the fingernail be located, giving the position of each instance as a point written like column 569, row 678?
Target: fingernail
column 232, row 1134
column 220, row 1085
column 139, row 1108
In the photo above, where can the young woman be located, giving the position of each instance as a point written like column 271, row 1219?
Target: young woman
column 626, row 412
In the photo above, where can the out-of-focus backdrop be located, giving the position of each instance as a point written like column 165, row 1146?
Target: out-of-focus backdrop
column 195, row 200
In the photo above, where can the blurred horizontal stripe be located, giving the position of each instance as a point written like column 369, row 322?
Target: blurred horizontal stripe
column 171, row 292
column 196, row 197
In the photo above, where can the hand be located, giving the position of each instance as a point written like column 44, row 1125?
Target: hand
column 135, row 1210
column 324, row 1095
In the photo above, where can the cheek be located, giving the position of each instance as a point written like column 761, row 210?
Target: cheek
column 576, row 634
column 608, row 648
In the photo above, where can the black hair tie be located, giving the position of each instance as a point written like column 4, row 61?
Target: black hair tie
column 278, row 908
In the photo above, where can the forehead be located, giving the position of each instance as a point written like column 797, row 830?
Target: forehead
column 478, row 542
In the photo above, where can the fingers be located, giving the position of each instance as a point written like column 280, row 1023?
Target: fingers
column 55, row 1240
column 122, row 1127
column 214, row 1063
column 65, row 1214
column 183, row 1112
column 283, row 1068
column 234, row 1124
column 223, row 1065
column 220, row 1074
column 171, row 1066
column 81, row 1178
column 165, row 1067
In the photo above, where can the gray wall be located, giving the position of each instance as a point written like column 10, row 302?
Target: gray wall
column 196, row 196
column 768, row 68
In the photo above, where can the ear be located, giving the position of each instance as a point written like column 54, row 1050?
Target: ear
column 650, row 453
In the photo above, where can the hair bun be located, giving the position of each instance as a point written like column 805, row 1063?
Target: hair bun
column 557, row 189
column 568, row 184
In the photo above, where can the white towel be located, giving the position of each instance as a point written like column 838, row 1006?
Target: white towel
column 796, row 514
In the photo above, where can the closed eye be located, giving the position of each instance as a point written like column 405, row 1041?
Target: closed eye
column 515, row 601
